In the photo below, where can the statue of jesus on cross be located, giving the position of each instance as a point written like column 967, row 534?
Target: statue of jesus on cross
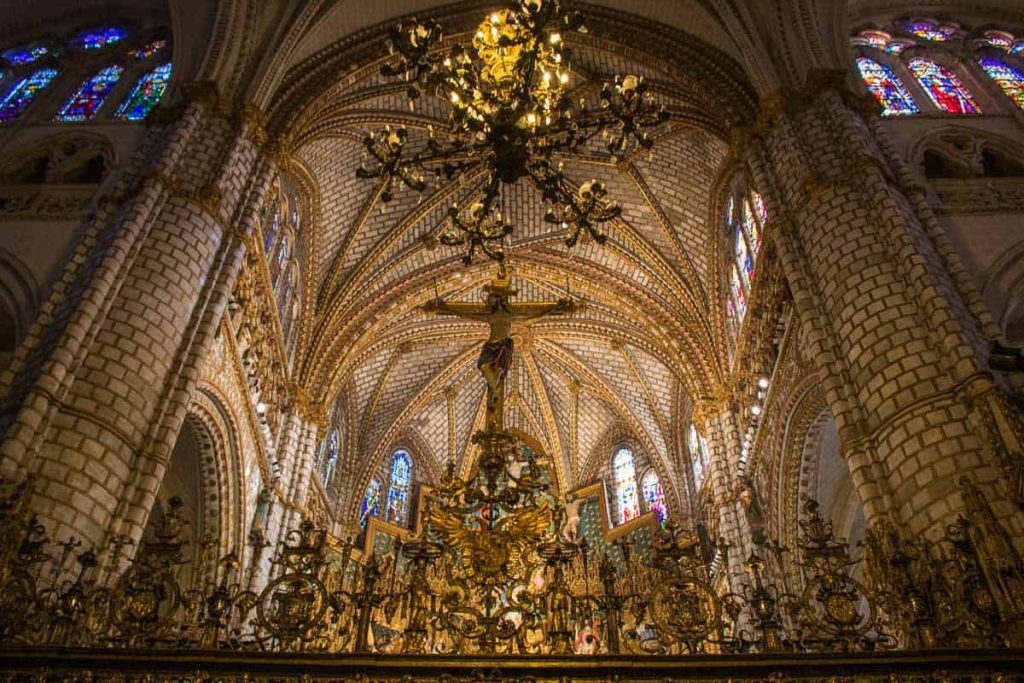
column 496, row 355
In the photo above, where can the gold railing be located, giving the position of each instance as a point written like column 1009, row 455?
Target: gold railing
column 495, row 587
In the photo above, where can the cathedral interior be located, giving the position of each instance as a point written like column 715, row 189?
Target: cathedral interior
column 523, row 340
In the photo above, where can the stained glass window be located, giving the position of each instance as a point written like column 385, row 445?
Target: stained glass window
column 398, row 488
column 731, row 315
column 752, row 228
column 1009, row 79
column 16, row 56
column 280, row 259
column 624, row 474
column 886, row 88
column 739, row 295
column 145, row 95
column 271, row 228
column 371, row 503
column 149, row 49
column 943, row 87
column 698, row 457
column 999, row 39
column 23, row 92
column 743, row 258
column 929, row 31
column 332, row 456
column 654, row 497
column 100, row 38
column 730, row 211
column 90, row 95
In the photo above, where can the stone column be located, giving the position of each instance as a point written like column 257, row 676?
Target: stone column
column 718, row 425
column 902, row 356
column 295, row 454
column 96, row 396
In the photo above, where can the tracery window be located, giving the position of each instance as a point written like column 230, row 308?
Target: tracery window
column 883, row 84
column 399, row 485
column 942, row 59
column 90, row 95
column 627, row 504
column 18, row 56
column 146, row 94
column 653, row 495
column 1009, row 79
column 371, row 503
column 23, row 92
column 699, row 458
column 943, row 87
column 745, row 216
column 84, row 100
column 97, row 39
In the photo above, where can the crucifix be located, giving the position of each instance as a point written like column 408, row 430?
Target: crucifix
column 496, row 355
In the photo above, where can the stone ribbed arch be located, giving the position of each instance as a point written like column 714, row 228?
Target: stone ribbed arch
column 712, row 72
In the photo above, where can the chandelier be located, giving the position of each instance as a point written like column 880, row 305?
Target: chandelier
column 513, row 117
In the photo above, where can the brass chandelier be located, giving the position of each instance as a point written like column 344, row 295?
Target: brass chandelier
column 513, row 116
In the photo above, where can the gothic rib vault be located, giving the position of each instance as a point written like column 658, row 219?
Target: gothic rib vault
column 643, row 345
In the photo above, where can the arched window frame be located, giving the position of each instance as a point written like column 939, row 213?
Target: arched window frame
column 370, row 506
column 652, row 495
column 937, row 66
column 744, row 217
column 625, row 485
column 399, row 488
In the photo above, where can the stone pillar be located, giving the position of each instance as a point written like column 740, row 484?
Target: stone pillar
column 902, row 356
column 721, row 433
column 96, row 396
column 295, row 454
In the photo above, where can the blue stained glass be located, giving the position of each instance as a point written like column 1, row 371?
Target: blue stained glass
column 698, row 457
column 100, row 38
column 929, row 31
column 1009, row 79
column 886, row 88
column 943, row 87
column 23, row 92
column 624, row 473
column 17, row 56
column 398, row 490
column 89, row 97
column 739, row 295
column 654, row 497
column 371, row 503
column 145, row 95
column 744, row 259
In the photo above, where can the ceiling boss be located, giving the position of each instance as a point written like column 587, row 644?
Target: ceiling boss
column 513, row 115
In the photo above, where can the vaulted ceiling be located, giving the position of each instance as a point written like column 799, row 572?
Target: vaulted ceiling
column 646, row 336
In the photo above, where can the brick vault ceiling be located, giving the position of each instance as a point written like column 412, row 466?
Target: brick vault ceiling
column 644, row 340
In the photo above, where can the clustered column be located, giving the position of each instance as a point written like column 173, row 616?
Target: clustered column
column 96, row 396
column 902, row 355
